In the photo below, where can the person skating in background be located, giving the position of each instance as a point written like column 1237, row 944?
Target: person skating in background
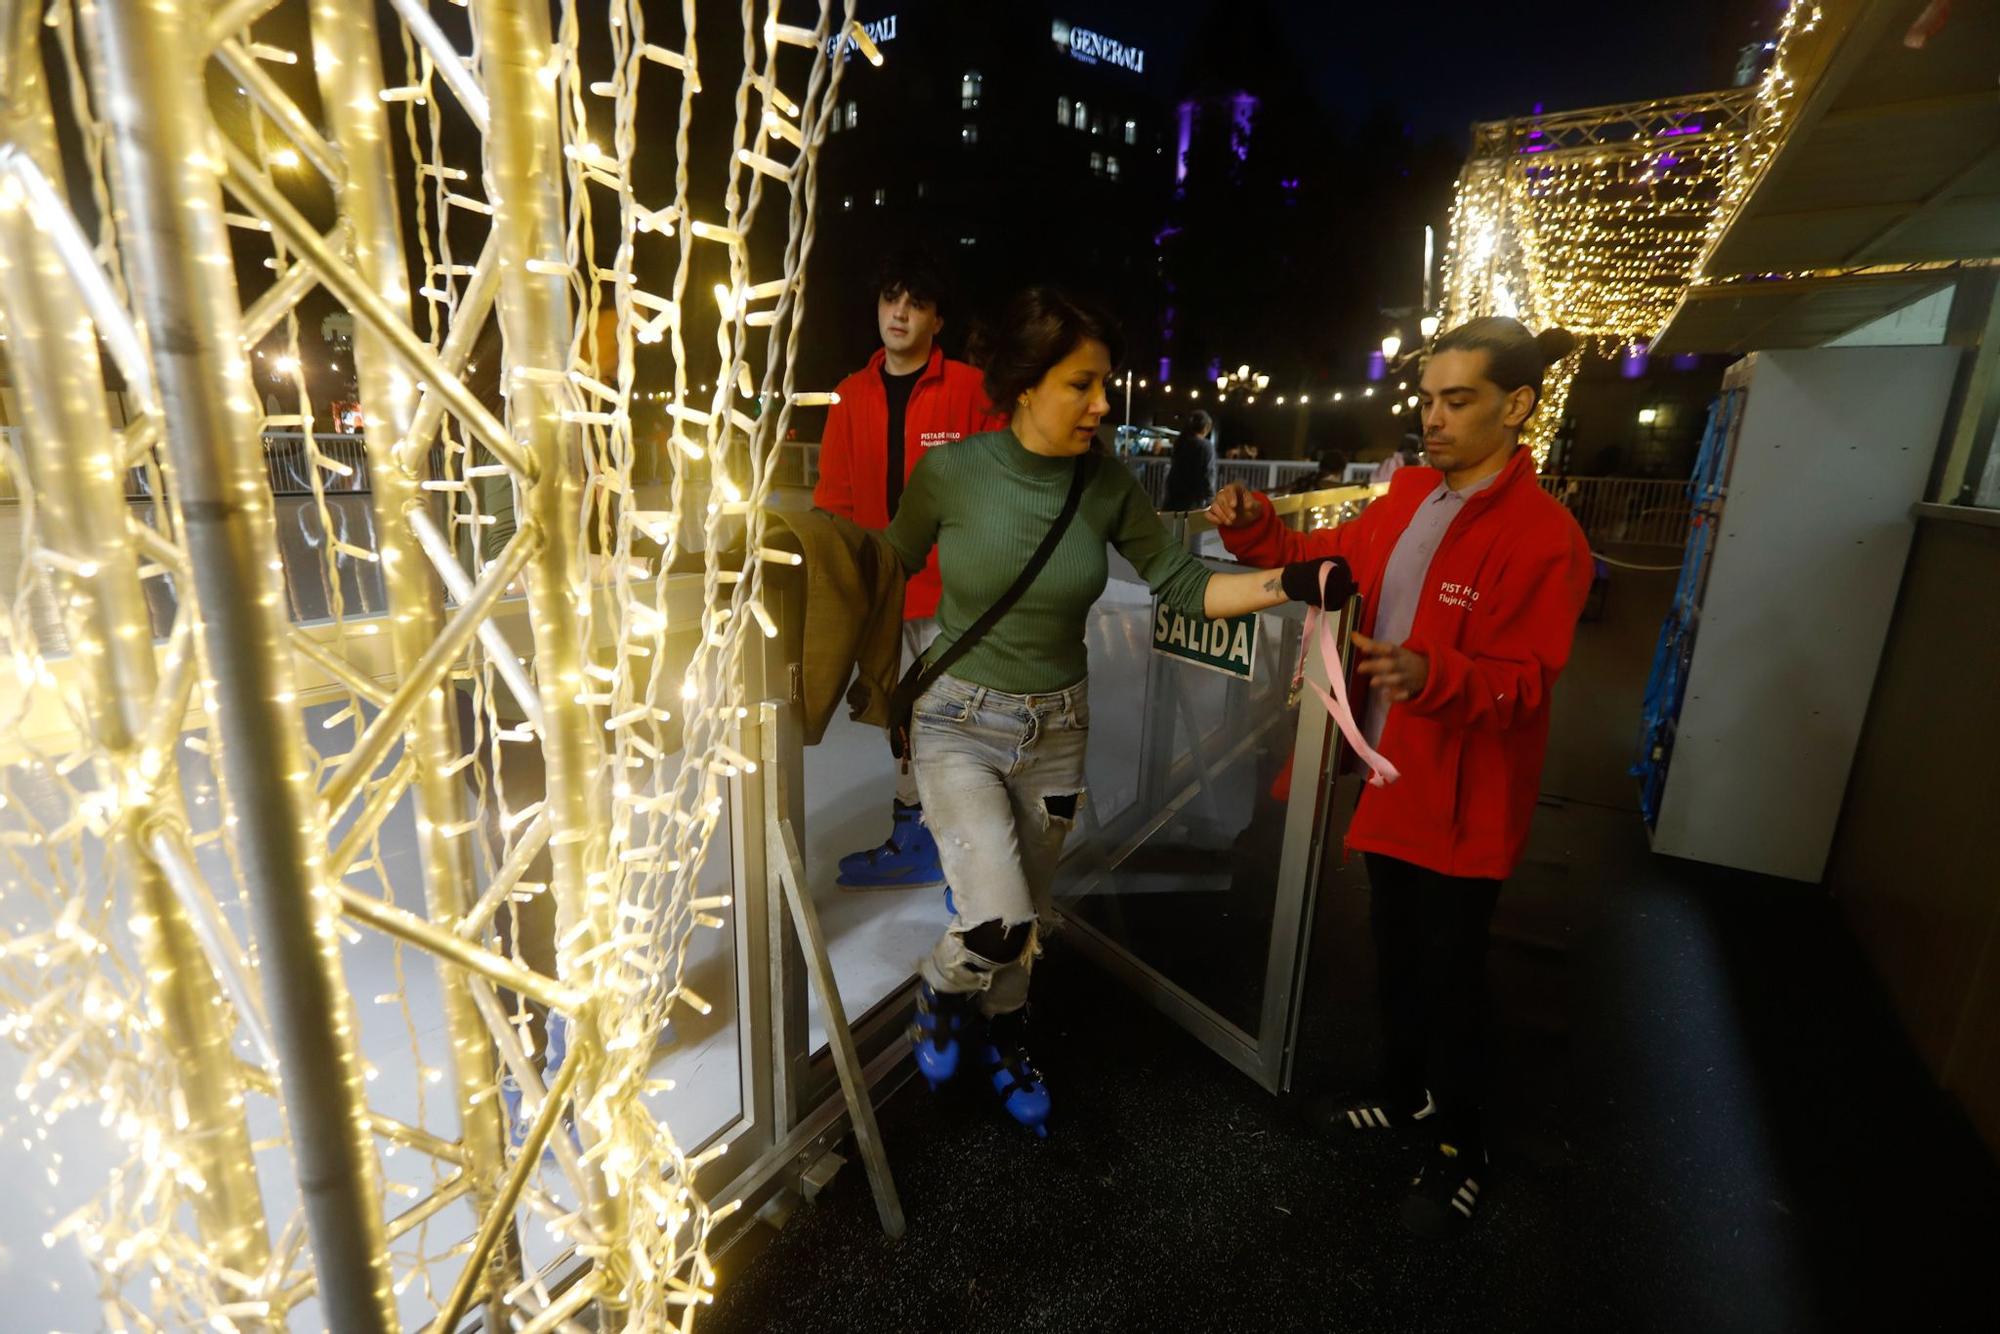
column 909, row 399
column 1472, row 579
column 1191, row 475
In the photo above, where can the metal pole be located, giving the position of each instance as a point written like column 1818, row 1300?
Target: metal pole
column 525, row 174
column 499, row 1219
column 1430, row 267
column 381, row 734
column 349, row 69
column 409, row 927
column 168, row 203
column 73, row 457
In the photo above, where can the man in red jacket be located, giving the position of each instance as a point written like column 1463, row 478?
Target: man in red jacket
column 909, row 399
column 1472, row 580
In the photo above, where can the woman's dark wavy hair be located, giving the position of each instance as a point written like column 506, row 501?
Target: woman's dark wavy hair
column 1038, row 329
column 1514, row 356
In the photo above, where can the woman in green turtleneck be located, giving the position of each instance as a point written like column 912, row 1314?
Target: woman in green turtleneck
column 999, row 739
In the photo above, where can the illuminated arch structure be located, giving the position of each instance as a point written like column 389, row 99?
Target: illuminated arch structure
column 183, row 859
column 1599, row 219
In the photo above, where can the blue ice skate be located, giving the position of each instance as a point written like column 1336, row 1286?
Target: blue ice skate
column 907, row 859
column 939, row 1035
column 1021, row 1088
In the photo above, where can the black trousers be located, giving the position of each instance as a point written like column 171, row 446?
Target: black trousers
column 1430, row 950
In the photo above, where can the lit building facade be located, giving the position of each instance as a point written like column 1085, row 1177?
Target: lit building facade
column 1020, row 145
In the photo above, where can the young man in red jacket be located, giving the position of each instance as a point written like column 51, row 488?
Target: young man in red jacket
column 909, row 399
column 1472, row 580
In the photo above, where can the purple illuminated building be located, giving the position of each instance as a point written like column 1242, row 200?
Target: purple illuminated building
column 1240, row 108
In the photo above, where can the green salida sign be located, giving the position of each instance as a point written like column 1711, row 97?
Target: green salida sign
column 1228, row 646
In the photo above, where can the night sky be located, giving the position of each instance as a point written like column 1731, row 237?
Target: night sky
column 1445, row 65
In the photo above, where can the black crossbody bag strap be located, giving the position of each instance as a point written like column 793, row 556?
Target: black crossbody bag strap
column 919, row 678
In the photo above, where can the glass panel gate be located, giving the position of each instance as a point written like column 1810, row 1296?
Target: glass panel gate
column 1192, row 871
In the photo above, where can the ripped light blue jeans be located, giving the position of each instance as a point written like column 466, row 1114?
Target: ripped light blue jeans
column 1002, row 782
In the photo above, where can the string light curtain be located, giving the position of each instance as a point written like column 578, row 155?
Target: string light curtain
column 205, row 743
column 1598, row 220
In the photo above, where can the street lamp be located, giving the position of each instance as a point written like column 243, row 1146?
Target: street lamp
column 1391, row 345
column 1244, row 378
column 1428, row 326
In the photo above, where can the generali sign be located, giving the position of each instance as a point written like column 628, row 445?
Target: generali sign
column 880, row 32
column 1094, row 48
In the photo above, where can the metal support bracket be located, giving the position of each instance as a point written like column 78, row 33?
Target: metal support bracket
column 789, row 863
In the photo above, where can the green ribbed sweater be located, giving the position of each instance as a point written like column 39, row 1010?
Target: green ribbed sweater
column 986, row 503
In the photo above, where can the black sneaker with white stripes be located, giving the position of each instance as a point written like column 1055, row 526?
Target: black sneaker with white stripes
column 1444, row 1196
column 1350, row 1117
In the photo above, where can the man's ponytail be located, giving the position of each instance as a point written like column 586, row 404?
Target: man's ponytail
column 1556, row 343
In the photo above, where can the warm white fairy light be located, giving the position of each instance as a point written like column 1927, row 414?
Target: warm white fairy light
column 90, row 1030
column 1599, row 220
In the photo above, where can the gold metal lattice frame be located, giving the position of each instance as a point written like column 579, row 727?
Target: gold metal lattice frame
column 1597, row 220
column 200, row 1008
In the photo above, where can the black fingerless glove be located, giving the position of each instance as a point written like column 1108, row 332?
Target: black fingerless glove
column 1300, row 581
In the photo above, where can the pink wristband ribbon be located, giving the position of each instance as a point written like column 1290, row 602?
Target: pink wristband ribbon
column 1319, row 628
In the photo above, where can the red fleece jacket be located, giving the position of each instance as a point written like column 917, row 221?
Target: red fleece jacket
column 947, row 403
column 1495, row 620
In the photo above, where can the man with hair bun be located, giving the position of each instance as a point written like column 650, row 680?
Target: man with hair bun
column 1472, row 580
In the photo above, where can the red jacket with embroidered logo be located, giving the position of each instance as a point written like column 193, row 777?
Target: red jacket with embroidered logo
column 947, row 402
column 1495, row 618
